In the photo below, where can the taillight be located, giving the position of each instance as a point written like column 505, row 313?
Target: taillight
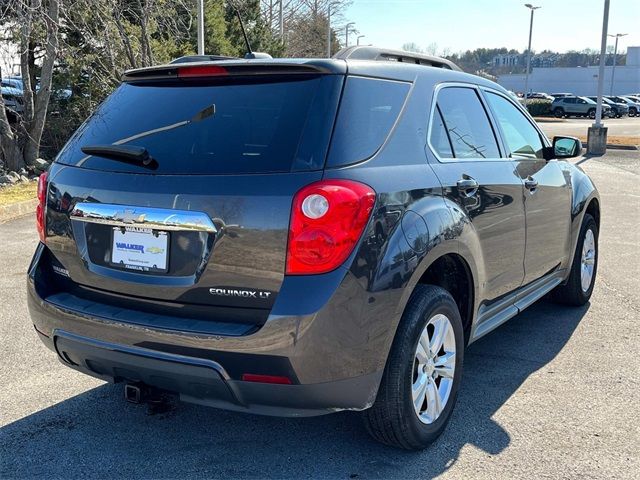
column 202, row 71
column 327, row 220
column 42, row 203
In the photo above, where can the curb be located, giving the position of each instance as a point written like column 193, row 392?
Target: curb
column 549, row 120
column 17, row 210
column 613, row 146
column 623, row 147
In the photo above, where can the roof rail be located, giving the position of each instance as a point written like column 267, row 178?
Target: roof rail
column 386, row 54
column 201, row 58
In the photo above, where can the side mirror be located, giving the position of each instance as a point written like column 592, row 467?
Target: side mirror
column 564, row 147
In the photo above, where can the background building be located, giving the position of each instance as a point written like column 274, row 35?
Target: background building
column 579, row 80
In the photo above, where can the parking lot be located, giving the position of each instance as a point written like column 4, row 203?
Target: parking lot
column 553, row 393
column 620, row 127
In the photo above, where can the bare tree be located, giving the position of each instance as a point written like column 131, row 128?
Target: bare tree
column 37, row 24
column 306, row 26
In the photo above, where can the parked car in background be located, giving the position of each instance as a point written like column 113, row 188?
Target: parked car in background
column 13, row 82
column 13, row 99
column 634, row 105
column 303, row 236
column 618, row 109
column 540, row 96
column 560, row 95
column 514, row 95
column 18, row 83
column 577, row 107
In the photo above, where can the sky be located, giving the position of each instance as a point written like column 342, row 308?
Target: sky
column 458, row 25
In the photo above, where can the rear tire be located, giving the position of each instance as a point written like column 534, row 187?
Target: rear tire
column 579, row 287
column 632, row 112
column 558, row 112
column 415, row 372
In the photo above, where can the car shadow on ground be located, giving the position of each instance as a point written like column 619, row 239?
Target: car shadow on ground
column 97, row 434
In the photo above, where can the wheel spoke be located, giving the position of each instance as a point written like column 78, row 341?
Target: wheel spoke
column 419, row 390
column 437, row 337
column 421, row 354
column 445, row 365
column 434, row 406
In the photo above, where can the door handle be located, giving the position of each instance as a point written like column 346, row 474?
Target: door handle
column 531, row 184
column 468, row 186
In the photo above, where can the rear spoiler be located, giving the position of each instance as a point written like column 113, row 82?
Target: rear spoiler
column 233, row 68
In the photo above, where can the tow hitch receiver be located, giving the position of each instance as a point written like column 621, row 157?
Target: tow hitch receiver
column 157, row 401
column 134, row 393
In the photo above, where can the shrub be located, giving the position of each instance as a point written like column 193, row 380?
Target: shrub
column 539, row 107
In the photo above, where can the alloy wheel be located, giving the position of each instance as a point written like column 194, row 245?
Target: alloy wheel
column 588, row 260
column 433, row 368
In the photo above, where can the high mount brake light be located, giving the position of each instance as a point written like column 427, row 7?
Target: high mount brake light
column 202, row 71
column 323, row 231
column 41, row 207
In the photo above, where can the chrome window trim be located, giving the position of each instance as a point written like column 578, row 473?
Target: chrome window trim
column 145, row 217
column 490, row 119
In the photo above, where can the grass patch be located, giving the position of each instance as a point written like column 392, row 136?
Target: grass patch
column 616, row 140
column 18, row 192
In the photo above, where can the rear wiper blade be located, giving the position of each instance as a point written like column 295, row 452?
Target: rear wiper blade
column 123, row 153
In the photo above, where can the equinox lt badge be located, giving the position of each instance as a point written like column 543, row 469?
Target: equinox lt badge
column 232, row 292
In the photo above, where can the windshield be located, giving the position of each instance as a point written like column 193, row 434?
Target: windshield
column 192, row 127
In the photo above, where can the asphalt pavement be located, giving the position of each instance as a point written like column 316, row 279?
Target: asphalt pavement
column 554, row 393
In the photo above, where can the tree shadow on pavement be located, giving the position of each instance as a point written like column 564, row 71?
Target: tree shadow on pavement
column 97, row 434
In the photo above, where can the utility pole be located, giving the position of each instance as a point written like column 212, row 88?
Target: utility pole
column 526, row 75
column 200, row 27
column 358, row 39
column 597, row 133
column 346, row 33
column 615, row 57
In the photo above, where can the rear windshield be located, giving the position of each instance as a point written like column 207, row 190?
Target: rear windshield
column 189, row 127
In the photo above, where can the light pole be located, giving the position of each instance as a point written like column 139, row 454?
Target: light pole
column 281, row 22
column 358, row 39
column 200, row 27
column 615, row 55
column 346, row 33
column 526, row 75
column 597, row 133
column 329, row 30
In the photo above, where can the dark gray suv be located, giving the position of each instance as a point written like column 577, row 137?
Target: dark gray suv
column 299, row 237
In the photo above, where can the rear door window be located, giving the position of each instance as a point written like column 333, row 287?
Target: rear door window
column 467, row 124
column 236, row 126
column 368, row 110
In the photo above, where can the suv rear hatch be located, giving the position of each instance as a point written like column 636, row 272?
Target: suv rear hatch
column 203, row 220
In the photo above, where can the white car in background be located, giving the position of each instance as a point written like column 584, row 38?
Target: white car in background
column 634, row 104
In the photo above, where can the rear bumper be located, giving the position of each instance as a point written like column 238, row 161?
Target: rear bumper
column 332, row 360
column 206, row 382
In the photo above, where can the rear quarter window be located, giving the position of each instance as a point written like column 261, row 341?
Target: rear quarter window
column 368, row 110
